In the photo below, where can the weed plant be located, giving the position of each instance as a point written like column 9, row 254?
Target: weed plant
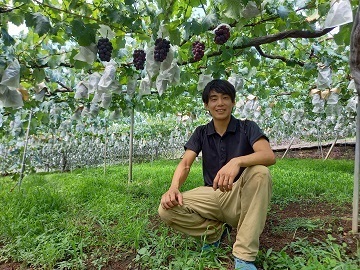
column 86, row 219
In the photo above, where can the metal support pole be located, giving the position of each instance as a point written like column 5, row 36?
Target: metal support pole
column 355, row 72
column 105, row 148
column 131, row 149
column 24, row 154
column 319, row 144
column 355, row 219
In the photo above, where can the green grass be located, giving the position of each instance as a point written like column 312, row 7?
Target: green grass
column 308, row 179
column 83, row 219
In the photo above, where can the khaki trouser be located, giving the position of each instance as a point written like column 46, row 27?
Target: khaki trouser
column 205, row 211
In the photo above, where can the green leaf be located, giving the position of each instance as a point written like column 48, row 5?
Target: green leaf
column 120, row 41
column 42, row 117
column 259, row 30
column 15, row 18
column 195, row 28
column 41, row 24
column 233, row 8
column 83, row 33
column 295, row 94
column 217, row 69
column 290, row 63
column 254, row 61
column 29, row 20
column 15, row 177
column 194, row 3
column 73, row 4
column 344, row 34
column 80, row 64
column 187, row 33
column 323, row 9
column 8, row 40
column 175, row 36
column 39, row 75
column 227, row 54
column 54, row 61
column 137, row 24
column 275, row 81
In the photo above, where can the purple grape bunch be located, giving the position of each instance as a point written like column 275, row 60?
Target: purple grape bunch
column 139, row 58
column 162, row 47
column 198, row 49
column 105, row 49
column 222, row 34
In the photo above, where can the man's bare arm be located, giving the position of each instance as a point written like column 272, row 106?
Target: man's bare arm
column 173, row 196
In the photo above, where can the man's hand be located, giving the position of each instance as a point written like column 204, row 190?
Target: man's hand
column 171, row 198
column 224, row 179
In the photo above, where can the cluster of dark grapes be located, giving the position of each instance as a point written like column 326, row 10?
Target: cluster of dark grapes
column 222, row 34
column 198, row 49
column 105, row 48
column 139, row 58
column 162, row 47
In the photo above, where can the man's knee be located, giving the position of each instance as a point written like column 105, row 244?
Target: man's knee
column 259, row 174
column 261, row 170
column 165, row 214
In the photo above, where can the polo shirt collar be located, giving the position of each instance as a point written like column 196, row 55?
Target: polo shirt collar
column 231, row 127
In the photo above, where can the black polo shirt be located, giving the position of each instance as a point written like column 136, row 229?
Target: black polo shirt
column 218, row 150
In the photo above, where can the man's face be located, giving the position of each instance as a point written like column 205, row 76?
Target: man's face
column 220, row 105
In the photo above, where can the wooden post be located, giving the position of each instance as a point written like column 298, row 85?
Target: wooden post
column 292, row 140
column 332, row 146
column 355, row 72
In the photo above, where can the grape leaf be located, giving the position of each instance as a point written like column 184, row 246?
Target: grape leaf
column 8, row 40
column 39, row 75
column 233, row 8
column 15, row 18
column 343, row 36
column 40, row 23
column 195, row 28
column 83, row 33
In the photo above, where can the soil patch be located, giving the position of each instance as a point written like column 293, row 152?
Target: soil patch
column 286, row 225
column 313, row 222
column 313, row 151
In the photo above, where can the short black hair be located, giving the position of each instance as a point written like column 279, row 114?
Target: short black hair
column 219, row 86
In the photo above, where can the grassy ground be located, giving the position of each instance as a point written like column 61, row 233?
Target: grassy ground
column 88, row 220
